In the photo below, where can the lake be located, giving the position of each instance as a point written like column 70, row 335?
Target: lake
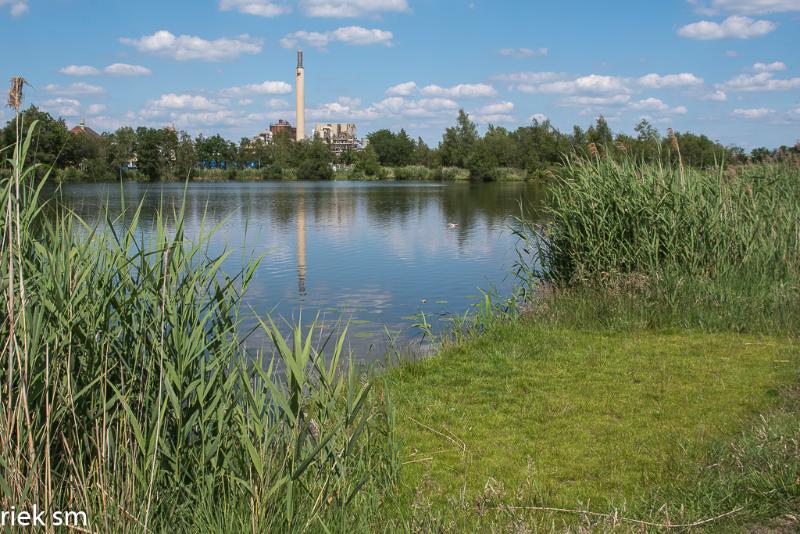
column 375, row 253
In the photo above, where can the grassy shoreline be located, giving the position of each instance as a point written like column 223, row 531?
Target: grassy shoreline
column 536, row 415
column 411, row 173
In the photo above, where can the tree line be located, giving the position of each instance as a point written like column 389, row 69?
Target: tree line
column 163, row 154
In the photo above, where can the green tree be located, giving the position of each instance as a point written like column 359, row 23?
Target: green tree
column 394, row 150
column 316, row 161
column 50, row 138
column 458, row 142
column 150, row 159
column 601, row 135
column 368, row 162
column 423, row 155
column 185, row 159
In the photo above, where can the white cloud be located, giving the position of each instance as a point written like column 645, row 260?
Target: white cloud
column 79, row 70
column 123, row 69
column 187, row 47
column 755, row 7
column 260, row 8
column 753, row 113
column 74, row 89
column 278, row 103
column 538, row 117
column 264, row 88
column 95, row 109
column 352, row 8
column 499, row 118
column 522, row 53
column 497, row 108
column 189, row 102
column 731, row 53
column 402, row 89
column 61, row 102
column 476, row 90
column 613, row 100
column 769, row 67
column 343, row 109
column 656, row 81
column 528, row 77
column 16, row 7
column 734, row 27
column 351, row 35
column 649, row 104
column 245, row 101
column 393, row 107
column 63, row 107
column 717, row 96
column 763, row 81
column 594, row 83
column 435, row 104
column 656, row 104
column 221, row 118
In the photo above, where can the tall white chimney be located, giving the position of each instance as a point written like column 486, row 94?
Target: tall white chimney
column 301, row 97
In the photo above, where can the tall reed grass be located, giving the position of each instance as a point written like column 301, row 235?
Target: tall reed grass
column 670, row 245
column 127, row 394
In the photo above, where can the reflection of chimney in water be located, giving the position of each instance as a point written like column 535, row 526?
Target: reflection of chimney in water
column 301, row 244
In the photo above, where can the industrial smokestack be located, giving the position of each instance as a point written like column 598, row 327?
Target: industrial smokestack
column 301, row 97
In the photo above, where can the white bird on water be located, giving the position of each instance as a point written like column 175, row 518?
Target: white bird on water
column 452, row 226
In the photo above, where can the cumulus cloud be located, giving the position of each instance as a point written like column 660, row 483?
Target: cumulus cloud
column 769, row 67
column 352, row 8
column 656, row 104
column 187, row 47
column 594, row 83
column 497, row 108
column 188, row 102
column 538, row 117
column 16, row 7
column 260, row 8
column 763, row 81
column 393, row 107
column 343, row 109
column 79, row 70
column 522, row 53
column 656, row 81
column 752, row 7
column 63, row 107
column 499, row 118
column 95, row 109
column 351, row 35
column 613, row 100
column 278, row 103
column 717, row 96
column 264, row 88
column 402, row 89
column 753, row 113
column 529, row 77
column 74, row 89
column 734, row 27
column 475, row 90
column 123, row 69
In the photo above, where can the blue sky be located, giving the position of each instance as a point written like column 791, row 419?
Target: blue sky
column 727, row 68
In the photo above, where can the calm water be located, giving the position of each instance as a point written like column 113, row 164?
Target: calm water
column 377, row 254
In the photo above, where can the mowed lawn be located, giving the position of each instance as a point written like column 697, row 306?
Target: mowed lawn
column 578, row 418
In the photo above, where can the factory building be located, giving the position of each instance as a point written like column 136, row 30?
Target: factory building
column 341, row 137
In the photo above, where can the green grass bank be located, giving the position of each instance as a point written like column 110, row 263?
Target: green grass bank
column 536, row 415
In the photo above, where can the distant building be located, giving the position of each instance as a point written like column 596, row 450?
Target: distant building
column 82, row 129
column 282, row 127
column 263, row 137
column 341, row 137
